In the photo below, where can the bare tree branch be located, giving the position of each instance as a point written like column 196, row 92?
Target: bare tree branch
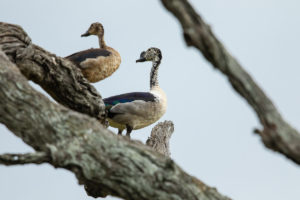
column 277, row 134
column 21, row 159
column 160, row 136
column 60, row 78
column 104, row 162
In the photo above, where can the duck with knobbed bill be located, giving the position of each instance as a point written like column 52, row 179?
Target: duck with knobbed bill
column 137, row 110
column 96, row 64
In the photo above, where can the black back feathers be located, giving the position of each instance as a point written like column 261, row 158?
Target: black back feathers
column 81, row 56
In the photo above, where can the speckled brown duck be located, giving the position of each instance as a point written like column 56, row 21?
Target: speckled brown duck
column 96, row 64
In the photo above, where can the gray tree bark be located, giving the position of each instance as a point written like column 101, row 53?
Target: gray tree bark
column 62, row 80
column 105, row 163
column 160, row 137
column 277, row 134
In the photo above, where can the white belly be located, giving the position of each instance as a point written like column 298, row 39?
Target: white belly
column 151, row 114
column 139, row 114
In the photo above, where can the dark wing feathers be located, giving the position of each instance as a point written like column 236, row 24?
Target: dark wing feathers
column 128, row 97
column 78, row 57
column 124, row 98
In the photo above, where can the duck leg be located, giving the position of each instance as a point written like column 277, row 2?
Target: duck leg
column 120, row 132
column 129, row 129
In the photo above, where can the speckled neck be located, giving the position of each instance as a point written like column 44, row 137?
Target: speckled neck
column 154, row 73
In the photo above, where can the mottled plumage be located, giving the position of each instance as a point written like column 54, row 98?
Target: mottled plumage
column 96, row 64
column 78, row 57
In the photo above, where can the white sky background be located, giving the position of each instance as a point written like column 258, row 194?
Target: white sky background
column 213, row 137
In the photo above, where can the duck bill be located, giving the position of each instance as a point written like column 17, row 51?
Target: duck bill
column 85, row 34
column 141, row 60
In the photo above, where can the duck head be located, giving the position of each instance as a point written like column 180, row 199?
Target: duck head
column 95, row 29
column 152, row 54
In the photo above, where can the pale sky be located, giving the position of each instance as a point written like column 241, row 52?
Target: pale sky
column 213, row 138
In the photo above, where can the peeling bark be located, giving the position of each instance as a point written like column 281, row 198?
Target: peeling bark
column 59, row 77
column 277, row 134
column 106, row 164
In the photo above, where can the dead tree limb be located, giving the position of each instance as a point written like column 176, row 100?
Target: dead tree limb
column 102, row 161
column 160, row 136
column 59, row 77
column 21, row 159
column 277, row 134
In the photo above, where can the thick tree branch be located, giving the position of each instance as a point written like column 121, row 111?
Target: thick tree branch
column 160, row 136
column 104, row 162
column 277, row 134
column 60, row 78
column 21, row 159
